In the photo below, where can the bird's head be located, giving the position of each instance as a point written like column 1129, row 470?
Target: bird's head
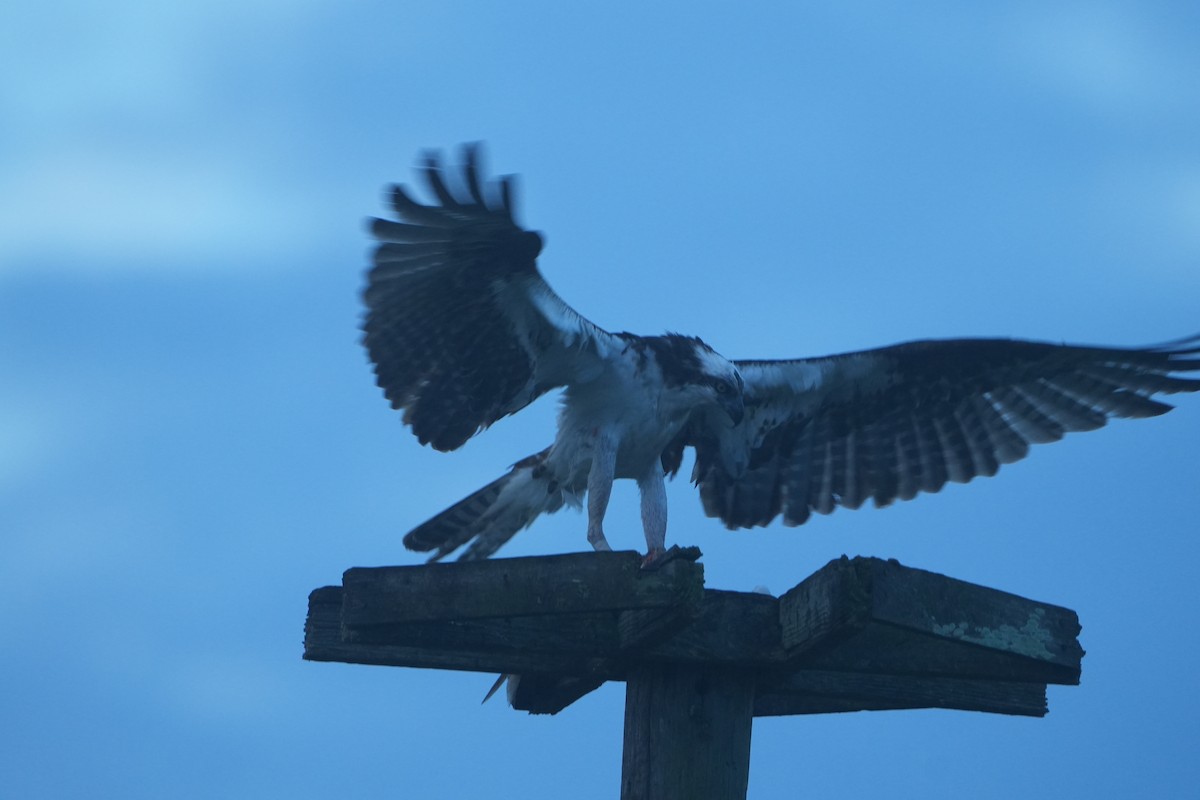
column 699, row 374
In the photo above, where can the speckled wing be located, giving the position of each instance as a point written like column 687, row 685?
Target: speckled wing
column 891, row 423
column 460, row 324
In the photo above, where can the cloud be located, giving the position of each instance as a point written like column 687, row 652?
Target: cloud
column 87, row 209
column 72, row 62
column 125, row 146
column 29, row 440
column 1114, row 59
column 1158, row 201
column 1135, row 75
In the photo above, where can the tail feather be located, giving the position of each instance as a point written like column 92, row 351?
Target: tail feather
column 451, row 528
column 491, row 516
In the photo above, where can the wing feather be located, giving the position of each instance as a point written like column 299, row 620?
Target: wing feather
column 798, row 482
column 898, row 468
column 895, row 422
column 460, row 325
column 933, row 461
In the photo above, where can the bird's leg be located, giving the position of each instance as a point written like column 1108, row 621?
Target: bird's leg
column 600, row 481
column 654, row 511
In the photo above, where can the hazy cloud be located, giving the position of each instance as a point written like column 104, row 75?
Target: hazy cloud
column 1114, row 58
column 125, row 151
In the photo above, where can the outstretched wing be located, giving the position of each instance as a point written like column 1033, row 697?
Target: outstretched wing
column 460, row 324
column 891, row 423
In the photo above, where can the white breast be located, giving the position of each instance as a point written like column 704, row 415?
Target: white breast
column 624, row 404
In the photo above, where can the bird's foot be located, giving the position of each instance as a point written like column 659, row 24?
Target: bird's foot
column 650, row 560
column 657, row 558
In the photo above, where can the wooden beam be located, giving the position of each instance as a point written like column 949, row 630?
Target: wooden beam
column 639, row 628
column 324, row 640
column 819, row 692
column 687, row 733
column 566, row 634
column 733, row 628
column 876, row 616
column 532, row 586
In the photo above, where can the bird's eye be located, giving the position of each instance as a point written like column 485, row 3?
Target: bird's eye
column 722, row 387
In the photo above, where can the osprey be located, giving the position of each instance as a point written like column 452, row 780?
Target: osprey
column 463, row 330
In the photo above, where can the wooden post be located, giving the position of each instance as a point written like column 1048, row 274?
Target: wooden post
column 687, row 733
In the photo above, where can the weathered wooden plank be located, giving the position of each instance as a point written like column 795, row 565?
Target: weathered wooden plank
column 564, row 634
column 871, row 615
column 687, row 733
column 323, row 625
column 977, row 615
column 323, row 641
column 642, row 627
column 883, row 648
column 575, row 582
column 827, row 606
column 821, row 692
column 732, row 628
column 638, row 628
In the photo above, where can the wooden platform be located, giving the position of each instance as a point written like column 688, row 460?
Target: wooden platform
column 859, row 634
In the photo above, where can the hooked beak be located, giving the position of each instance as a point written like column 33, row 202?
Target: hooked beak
column 734, row 407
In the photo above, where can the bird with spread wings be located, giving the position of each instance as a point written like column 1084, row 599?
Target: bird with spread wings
column 463, row 330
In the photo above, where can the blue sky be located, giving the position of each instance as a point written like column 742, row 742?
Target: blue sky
column 190, row 437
